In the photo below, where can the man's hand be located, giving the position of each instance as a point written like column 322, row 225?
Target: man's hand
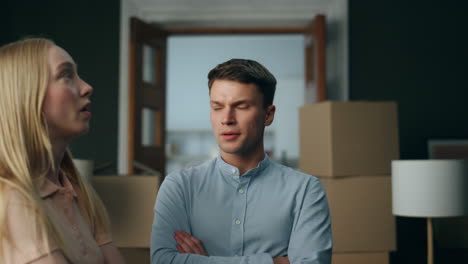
column 189, row 244
column 281, row 260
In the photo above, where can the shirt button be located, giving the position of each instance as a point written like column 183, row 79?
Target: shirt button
column 238, row 222
column 241, row 191
column 233, row 171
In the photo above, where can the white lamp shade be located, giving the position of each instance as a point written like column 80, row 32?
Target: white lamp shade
column 430, row 188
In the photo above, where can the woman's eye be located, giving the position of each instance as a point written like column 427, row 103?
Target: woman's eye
column 66, row 75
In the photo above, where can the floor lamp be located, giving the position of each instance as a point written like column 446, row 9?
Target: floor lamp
column 430, row 188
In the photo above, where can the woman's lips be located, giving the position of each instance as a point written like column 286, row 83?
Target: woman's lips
column 86, row 110
column 86, row 113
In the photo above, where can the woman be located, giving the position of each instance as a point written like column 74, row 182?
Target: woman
column 48, row 214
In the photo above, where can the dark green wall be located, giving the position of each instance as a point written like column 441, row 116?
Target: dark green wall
column 414, row 53
column 89, row 31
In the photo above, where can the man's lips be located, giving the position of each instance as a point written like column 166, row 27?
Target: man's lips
column 230, row 135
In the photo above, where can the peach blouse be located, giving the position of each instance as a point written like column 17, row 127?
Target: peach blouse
column 63, row 204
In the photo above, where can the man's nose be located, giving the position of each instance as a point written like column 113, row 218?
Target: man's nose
column 228, row 117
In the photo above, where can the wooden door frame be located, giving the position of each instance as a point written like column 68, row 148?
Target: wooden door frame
column 235, row 30
column 142, row 32
column 316, row 27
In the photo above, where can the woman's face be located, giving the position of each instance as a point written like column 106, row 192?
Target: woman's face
column 67, row 107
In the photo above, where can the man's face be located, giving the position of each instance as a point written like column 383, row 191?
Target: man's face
column 238, row 117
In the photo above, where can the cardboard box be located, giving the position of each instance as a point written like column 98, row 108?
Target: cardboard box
column 451, row 232
column 361, row 213
column 136, row 255
column 348, row 138
column 129, row 201
column 361, row 258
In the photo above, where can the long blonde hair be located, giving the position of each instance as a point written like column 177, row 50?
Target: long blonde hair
column 25, row 149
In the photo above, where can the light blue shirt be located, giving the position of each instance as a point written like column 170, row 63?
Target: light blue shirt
column 270, row 211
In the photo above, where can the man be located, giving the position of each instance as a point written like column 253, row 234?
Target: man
column 241, row 207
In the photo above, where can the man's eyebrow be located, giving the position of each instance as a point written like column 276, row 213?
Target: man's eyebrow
column 240, row 102
column 244, row 101
column 235, row 103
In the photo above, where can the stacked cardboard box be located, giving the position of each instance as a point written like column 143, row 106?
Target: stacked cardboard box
column 129, row 201
column 361, row 258
column 451, row 233
column 349, row 146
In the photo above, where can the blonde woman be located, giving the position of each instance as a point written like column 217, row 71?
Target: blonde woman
column 48, row 214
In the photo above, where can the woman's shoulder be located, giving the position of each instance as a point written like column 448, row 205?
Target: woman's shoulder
column 23, row 241
column 13, row 198
column 20, row 207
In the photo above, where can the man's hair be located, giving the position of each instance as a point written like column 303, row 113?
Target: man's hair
column 248, row 72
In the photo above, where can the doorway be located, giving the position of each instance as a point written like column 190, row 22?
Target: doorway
column 144, row 94
column 189, row 140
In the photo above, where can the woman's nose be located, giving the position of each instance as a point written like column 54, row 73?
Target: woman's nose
column 86, row 89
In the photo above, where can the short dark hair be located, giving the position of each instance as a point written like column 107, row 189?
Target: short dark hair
column 246, row 71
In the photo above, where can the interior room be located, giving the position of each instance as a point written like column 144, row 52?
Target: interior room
column 408, row 56
column 189, row 135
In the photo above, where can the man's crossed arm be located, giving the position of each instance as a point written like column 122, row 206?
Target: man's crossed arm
column 188, row 244
column 309, row 241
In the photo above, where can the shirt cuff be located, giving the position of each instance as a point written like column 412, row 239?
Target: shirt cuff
column 102, row 239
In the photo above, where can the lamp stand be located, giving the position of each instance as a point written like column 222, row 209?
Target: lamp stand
column 430, row 242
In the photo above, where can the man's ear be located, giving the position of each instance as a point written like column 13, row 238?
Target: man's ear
column 270, row 115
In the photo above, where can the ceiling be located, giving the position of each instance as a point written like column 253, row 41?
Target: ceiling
column 228, row 11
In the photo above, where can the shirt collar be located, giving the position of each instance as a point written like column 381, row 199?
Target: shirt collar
column 48, row 188
column 233, row 171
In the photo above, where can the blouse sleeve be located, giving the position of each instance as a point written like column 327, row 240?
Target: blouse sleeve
column 22, row 242
column 102, row 238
